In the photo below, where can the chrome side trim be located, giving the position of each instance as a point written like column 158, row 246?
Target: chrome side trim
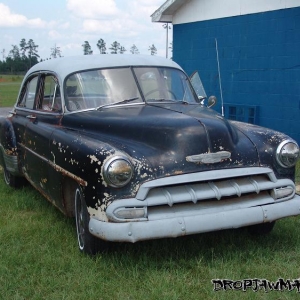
column 57, row 167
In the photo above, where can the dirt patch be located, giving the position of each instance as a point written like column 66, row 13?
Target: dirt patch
column 3, row 80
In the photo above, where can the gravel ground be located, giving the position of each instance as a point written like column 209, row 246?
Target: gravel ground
column 4, row 111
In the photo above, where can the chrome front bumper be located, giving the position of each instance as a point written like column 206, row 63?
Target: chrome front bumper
column 133, row 231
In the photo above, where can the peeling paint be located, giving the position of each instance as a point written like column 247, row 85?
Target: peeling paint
column 97, row 214
column 93, row 158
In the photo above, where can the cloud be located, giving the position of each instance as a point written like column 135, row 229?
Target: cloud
column 128, row 22
column 95, row 9
column 54, row 35
column 144, row 8
column 127, row 19
column 9, row 19
column 74, row 21
column 119, row 27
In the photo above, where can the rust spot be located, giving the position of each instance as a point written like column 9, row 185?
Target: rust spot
column 69, row 174
column 178, row 172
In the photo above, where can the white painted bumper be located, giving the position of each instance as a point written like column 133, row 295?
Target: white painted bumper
column 179, row 226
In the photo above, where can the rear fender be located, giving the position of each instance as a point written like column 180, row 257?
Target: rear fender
column 8, row 147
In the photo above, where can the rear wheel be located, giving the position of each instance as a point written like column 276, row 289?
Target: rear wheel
column 87, row 243
column 261, row 229
column 11, row 180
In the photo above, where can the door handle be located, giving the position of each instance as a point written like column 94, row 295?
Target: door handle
column 31, row 117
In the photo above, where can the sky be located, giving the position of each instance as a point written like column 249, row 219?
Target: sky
column 67, row 24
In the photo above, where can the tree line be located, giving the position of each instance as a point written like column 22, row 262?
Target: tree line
column 20, row 58
column 115, row 48
column 23, row 56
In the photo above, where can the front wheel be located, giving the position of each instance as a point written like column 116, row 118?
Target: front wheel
column 261, row 229
column 87, row 243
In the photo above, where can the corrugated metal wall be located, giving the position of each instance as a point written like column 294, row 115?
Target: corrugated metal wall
column 259, row 58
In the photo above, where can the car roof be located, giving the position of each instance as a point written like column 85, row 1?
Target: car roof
column 64, row 66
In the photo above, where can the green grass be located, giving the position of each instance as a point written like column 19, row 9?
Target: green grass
column 39, row 259
column 9, row 89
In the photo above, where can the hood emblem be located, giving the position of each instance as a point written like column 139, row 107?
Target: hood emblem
column 209, row 158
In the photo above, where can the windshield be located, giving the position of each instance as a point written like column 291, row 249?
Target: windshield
column 95, row 89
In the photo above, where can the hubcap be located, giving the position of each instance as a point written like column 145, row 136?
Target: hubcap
column 79, row 219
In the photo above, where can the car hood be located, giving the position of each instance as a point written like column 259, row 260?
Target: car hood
column 170, row 137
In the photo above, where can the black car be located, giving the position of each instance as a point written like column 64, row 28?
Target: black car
column 124, row 144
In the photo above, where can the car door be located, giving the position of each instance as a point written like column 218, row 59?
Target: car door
column 37, row 122
column 24, row 114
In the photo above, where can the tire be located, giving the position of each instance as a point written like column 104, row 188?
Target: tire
column 261, row 229
column 11, row 180
column 87, row 243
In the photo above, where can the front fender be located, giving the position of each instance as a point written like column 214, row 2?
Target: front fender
column 266, row 141
column 81, row 157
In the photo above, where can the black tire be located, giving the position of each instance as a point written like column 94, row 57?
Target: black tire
column 11, row 180
column 87, row 243
column 261, row 229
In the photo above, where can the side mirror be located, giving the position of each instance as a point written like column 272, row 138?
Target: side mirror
column 212, row 101
column 199, row 89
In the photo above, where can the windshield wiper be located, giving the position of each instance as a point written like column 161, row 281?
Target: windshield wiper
column 168, row 100
column 161, row 100
column 116, row 103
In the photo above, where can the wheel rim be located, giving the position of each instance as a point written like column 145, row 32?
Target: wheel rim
column 79, row 212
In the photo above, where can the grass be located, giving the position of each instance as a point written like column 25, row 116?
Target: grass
column 9, row 89
column 39, row 259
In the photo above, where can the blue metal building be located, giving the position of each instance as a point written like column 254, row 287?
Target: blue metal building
column 258, row 43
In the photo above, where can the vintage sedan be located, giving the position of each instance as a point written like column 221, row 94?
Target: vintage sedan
column 124, row 144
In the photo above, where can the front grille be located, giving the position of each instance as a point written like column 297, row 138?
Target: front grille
column 213, row 190
column 234, row 186
column 205, row 192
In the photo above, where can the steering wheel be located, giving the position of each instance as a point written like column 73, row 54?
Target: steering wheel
column 157, row 90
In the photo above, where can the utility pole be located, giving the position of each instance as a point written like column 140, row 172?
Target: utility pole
column 166, row 26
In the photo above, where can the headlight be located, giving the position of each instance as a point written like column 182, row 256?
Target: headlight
column 287, row 153
column 117, row 171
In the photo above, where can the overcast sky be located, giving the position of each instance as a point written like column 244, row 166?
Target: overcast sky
column 68, row 23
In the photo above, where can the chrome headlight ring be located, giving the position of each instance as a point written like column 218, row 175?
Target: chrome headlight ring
column 117, row 171
column 287, row 153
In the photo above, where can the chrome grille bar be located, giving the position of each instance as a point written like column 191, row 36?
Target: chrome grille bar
column 213, row 190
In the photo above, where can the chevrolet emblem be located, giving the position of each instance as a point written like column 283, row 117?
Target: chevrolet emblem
column 209, row 158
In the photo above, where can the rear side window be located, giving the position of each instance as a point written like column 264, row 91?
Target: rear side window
column 28, row 93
